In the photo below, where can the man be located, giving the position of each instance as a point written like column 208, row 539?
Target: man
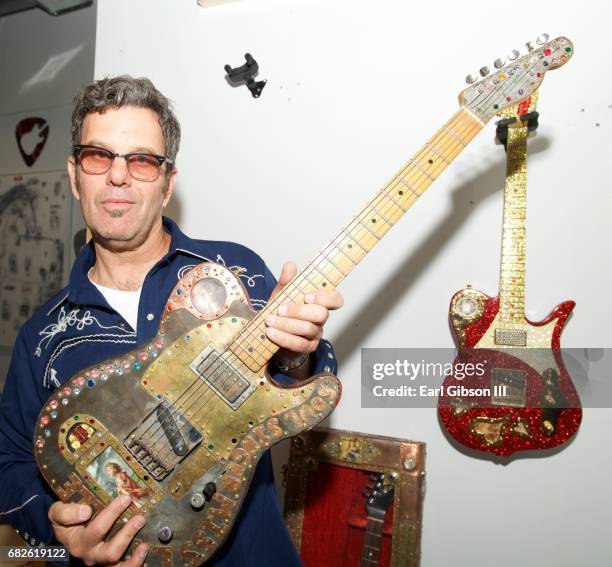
column 125, row 140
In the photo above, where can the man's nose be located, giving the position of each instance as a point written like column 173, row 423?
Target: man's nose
column 118, row 173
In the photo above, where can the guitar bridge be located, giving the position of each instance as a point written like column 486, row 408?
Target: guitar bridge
column 222, row 377
column 162, row 440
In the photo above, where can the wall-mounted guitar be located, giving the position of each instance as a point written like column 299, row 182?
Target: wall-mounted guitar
column 187, row 416
column 378, row 500
column 521, row 396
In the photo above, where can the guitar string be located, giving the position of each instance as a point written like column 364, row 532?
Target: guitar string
column 381, row 194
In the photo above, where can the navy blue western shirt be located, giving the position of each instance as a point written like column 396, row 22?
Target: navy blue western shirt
column 77, row 328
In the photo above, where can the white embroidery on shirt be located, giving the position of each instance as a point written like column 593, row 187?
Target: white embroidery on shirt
column 53, row 377
column 19, row 507
column 240, row 271
column 71, row 319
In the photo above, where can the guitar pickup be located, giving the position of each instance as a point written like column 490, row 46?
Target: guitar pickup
column 511, row 337
column 217, row 371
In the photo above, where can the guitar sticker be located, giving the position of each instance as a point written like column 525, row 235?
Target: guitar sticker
column 32, row 134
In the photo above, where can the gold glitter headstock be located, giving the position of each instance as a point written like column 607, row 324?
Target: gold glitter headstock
column 516, row 81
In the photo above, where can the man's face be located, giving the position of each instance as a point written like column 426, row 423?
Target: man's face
column 119, row 210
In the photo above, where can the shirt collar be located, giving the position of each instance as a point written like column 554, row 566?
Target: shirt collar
column 82, row 292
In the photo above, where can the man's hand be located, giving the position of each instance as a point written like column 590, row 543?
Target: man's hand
column 87, row 541
column 297, row 328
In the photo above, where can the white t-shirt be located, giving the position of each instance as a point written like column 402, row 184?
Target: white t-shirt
column 123, row 302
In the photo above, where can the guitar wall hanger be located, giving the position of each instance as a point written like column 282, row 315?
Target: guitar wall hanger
column 501, row 132
column 245, row 74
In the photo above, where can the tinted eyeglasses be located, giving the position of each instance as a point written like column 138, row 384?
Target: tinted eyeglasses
column 141, row 166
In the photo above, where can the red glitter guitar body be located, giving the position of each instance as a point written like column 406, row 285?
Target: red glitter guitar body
column 509, row 390
column 525, row 399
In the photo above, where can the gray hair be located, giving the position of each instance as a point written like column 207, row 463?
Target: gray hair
column 124, row 90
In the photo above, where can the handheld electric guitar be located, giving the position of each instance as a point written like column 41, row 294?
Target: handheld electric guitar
column 519, row 396
column 181, row 422
column 378, row 501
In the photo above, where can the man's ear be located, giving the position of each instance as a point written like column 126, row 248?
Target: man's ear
column 169, row 187
column 72, row 174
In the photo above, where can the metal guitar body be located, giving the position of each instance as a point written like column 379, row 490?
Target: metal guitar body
column 178, row 424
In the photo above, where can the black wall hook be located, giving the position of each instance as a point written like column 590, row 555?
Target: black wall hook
column 245, row 73
column 501, row 132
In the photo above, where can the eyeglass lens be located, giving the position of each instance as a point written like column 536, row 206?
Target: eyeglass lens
column 97, row 161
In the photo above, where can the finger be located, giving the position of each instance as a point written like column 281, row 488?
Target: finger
column 330, row 299
column 297, row 327
column 112, row 550
column 288, row 272
column 68, row 514
column 138, row 557
column 314, row 313
column 97, row 529
column 291, row 342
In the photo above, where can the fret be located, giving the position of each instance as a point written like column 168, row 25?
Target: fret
column 380, row 213
column 325, row 276
column 452, row 133
column 344, row 274
column 305, row 275
column 337, row 250
column 407, row 185
column 393, row 211
column 386, row 193
column 365, row 225
column 433, row 149
column 416, row 164
column 351, row 247
column 366, row 239
column 354, row 253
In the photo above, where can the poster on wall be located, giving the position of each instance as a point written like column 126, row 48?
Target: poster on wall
column 34, row 241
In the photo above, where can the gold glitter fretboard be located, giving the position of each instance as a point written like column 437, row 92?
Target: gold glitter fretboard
column 335, row 261
column 514, row 231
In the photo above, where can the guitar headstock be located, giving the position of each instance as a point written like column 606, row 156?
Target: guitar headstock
column 380, row 496
column 515, row 81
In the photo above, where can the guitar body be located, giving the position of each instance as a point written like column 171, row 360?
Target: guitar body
column 178, row 424
column 528, row 400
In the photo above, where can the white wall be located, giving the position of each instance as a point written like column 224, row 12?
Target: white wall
column 43, row 61
column 354, row 88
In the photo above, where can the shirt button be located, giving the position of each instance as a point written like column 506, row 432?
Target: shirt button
column 150, row 317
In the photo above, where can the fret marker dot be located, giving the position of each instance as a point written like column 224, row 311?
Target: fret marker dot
column 324, row 284
column 374, row 221
column 430, row 161
column 350, row 245
column 400, row 192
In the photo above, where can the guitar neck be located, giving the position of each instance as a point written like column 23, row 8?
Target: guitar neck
column 372, row 542
column 336, row 260
column 514, row 232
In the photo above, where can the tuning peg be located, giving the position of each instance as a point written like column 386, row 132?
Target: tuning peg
column 542, row 39
column 513, row 54
column 529, row 46
column 471, row 79
column 499, row 63
column 484, row 71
